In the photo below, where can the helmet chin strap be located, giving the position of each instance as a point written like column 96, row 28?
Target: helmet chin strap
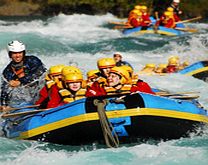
column 117, row 85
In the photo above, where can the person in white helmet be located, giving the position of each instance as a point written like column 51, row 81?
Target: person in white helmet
column 21, row 71
column 118, row 59
column 175, row 6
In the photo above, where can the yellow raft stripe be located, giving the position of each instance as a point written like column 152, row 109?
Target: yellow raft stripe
column 113, row 114
column 197, row 71
column 153, row 32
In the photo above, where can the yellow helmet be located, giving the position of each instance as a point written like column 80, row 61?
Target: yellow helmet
column 168, row 13
column 144, row 7
column 106, row 63
column 121, row 72
column 56, row 70
column 185, row 63
column 174, row 56
column 137, row 7
column 162, row 66
column 173, row 61
column 170, row 9
column 73, row 77
column 139, row 13
column 129, row 69
column 92, row 74
column 133, row 11
column 150, row 65
column 70, row 69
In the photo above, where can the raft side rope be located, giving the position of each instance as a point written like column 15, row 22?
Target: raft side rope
column 107, row 128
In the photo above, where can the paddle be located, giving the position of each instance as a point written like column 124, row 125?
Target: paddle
column 172, row 94
column 187, row 30
column 11, row 115
column 189, row 20
column 117, row 23
column 184, row 97
column 123, row 27
column 18, row 108
column 155, row 26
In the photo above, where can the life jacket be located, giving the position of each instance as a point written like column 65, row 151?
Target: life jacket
column 68, row 97
column 169, row 23
column 18, row 71
column 102, row 80
column 125, row 89
column 134, row 79
column 49, row 84
column 171, row 69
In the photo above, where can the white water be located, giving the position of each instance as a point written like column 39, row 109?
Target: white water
column 82, row 40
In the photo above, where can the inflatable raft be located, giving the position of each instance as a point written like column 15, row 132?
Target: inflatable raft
column 150, row 30
column 131, row 116
column 198, row 70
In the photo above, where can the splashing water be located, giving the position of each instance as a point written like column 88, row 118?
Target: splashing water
column 81, row 40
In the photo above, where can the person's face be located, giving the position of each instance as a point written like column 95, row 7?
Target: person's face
column 106, row 71
column 17, row 56
column 113, row 79
column 117, row 57
column 74, row 86
column 175, row 3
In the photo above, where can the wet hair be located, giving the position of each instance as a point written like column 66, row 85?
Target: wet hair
column 10, row 53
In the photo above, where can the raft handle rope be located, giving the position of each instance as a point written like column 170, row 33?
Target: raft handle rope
column 111, row 140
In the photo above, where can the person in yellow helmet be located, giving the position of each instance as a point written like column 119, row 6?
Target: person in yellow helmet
column 161, row 68
column 173, row 64
column 104, row 65
column 48, row 97
column 183, row 65
column 175, row 16
column 73, row 88
column 148, row 69
column 136, row 19
column 116, row 80
column 117, row 83
column 92, row 76
column 168, row 20
column 146, row 22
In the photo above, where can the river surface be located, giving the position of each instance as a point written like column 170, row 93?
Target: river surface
column 81, row 40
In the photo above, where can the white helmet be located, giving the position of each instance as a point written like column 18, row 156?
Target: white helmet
column 176, row 1
column 117, row 53
column 15, row 46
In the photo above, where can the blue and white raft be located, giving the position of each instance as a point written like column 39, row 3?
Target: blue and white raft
column 151, row 30
column 130, row 116
column 198, row 70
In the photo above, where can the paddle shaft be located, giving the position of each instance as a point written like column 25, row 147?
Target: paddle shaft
column 187, row 29
column 123, row 27
column 189, row 20
column 172, row 94
column 12, row 109
column 117, row 23
column 12, row 115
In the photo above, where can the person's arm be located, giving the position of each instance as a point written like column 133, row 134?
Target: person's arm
column 95, row 90
column 142, row 87
column 54, row 98
column 43, row 95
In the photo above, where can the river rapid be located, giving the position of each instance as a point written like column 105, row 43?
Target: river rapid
column 81, row 40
